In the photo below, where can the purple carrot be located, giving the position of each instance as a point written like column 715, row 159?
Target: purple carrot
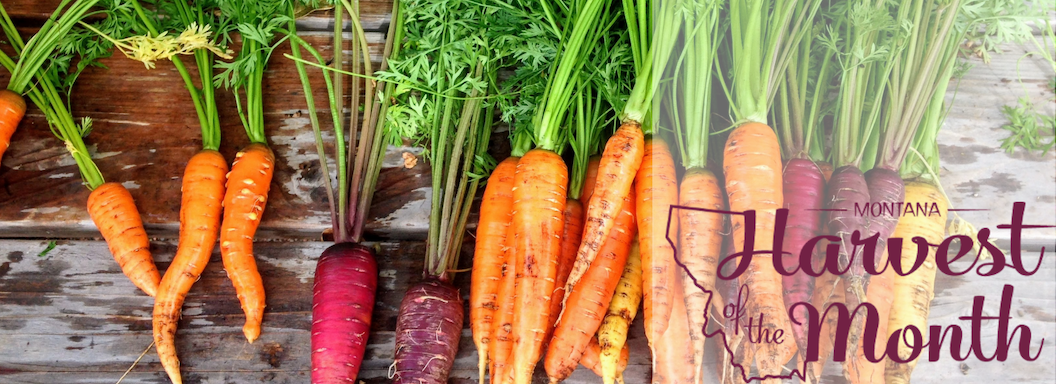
column 428, row 330
column 885, row 188
column 846, row 188
column 804, row 186
column 346, row 277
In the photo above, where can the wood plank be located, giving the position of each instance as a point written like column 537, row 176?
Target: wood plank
column 73, row 311
column 976, row 173
column 140, row 139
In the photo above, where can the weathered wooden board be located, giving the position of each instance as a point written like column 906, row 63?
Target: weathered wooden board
column 73, row 311
column 976, row 173
column 143, row 139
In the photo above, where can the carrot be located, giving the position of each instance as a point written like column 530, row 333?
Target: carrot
column 247, row 193
column 657, row 189
column 494, row 223
column 12, row 109
column 590, row 179
column 752, row 164
column 592, row 359
column 588, row 301
column 673, row 360
column 803, row 190
column 114, row 212
column 913, row 293
column 861, row 370
column 203, row 191
column 616, row 171
column 612, row 334
column 538, row 204
column 573, row 234
column 700, row 244
column 500, row 347
column 828, row 289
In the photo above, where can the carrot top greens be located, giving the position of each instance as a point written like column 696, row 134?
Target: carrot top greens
column 259, row 23
column 762, row 34
column 444, row 71
column 866, row 39
column 173, row 28
column 691, row 92
column 47, row 59
column 802, row 99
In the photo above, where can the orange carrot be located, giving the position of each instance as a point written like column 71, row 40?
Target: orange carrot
column 500, row 348
column 586, row 305
column 700, row 243
column 616, row 171
column 590, row 179
column 538, row 203
column 495, row 209
column 114, row 212
column 247, row 192
column 592, row 359
column 752, row 164
column 203, row 192
column 12, row 109
column 657, row 190
column 673, row 357
column 573, row 234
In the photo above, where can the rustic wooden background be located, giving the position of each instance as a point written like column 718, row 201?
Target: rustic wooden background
column 71, row 316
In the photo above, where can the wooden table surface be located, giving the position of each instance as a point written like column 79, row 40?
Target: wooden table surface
column 71, row 316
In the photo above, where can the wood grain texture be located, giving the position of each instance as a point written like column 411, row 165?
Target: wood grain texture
column 143, row 138
column 73, row 311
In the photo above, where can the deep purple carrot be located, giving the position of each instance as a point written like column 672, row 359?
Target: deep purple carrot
column 346, row 277
column 846, row 188
column 428, row 330
column 804, row 187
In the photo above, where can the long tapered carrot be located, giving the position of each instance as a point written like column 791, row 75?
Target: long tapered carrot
column 589, row 300
column 700, row 244
column 657, row 190
column 247, row 193
column 752, row 164
column 538, row 204
column 828, row 289
column 114, row 213
column 673, row 360
column 495, row 209
column 590, row 180
column 500, row 348
column 203, row 193
column 913, row 293
column 570, row 239
column 616, row 171
column 12, row 109
column 612, row 334
column 592, row 359
column 879, row 294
